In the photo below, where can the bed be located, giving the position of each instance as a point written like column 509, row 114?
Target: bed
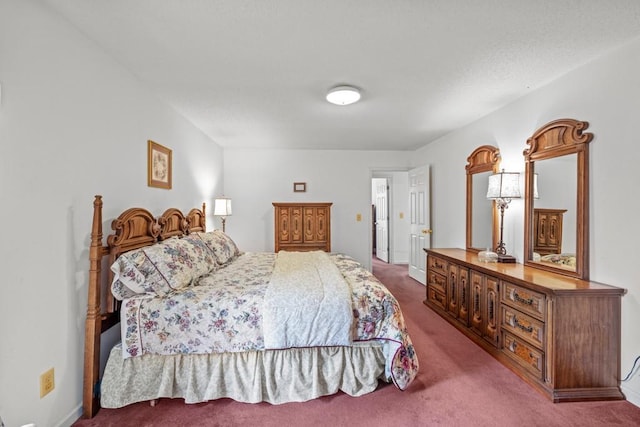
column 562, row 260
column 202, row 320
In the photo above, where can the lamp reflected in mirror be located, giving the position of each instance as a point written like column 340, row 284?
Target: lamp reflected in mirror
column 503, row 187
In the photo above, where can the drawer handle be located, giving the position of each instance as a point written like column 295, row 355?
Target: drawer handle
column 438, row 265
column 519, row 299
column 515, row 323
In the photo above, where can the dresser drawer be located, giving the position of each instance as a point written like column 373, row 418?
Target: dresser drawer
column 437, row 281
column 523, row 353
column 437, row 264
column 523, row 299
column 437, row 298
column 523, row 326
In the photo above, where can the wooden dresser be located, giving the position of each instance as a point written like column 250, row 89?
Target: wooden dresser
column 547, row 231
column 302, row 226
column 560, row 334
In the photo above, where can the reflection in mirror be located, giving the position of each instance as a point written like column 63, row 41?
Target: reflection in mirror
column 482, row 217
column 555, row 211
column 482, row 225
column 556, row 229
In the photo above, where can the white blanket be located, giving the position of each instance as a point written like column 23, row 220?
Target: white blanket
column 307, row 303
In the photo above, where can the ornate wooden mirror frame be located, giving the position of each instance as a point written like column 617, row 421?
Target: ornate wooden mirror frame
column 555, row 139
column 485, row 158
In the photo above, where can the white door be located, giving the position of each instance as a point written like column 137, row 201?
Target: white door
column 382, row 218
column 420, row 229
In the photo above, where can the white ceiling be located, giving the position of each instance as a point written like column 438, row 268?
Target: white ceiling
column 254, row 73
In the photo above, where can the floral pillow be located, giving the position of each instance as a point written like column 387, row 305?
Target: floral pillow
column 223, row 247
column 161, row 268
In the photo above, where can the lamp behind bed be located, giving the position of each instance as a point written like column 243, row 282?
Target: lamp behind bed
column 222, row 208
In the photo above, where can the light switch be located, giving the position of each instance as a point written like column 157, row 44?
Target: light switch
column 401, row 215
column 358, row 217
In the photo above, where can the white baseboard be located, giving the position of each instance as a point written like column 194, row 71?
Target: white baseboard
column 632, row 396
column 72, row 417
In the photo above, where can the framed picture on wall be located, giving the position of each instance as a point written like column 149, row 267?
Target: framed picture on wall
column 158, row 166
column 299, row 187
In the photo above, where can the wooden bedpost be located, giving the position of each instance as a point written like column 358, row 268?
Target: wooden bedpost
column 204, row 217
column 93, row 326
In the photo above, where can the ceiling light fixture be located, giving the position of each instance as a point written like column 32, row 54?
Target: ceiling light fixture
column 343, row 95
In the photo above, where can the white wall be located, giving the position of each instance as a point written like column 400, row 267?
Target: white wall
column 606, row 93
column 73, row 123
column 256, row 178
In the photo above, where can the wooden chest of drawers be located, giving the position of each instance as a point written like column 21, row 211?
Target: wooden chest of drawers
column 559, row 334
column 302, row 226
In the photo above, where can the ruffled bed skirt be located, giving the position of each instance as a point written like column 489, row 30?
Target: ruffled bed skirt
column 276, row 376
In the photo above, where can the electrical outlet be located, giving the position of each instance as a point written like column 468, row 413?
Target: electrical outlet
column 47, row 383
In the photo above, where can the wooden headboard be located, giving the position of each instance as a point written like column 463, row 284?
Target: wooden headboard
column 134, row 228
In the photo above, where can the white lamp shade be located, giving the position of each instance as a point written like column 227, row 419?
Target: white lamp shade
column 343, row 95
column 222, row 207
column 504, row 185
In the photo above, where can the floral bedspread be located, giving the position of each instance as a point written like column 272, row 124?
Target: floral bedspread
column 222, row 313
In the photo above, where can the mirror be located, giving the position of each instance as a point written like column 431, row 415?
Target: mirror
column 482, row 224
column 556, row 198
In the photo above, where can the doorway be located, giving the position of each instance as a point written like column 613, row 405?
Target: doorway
column 389, row 216
column 380, row 218
column 400, row 220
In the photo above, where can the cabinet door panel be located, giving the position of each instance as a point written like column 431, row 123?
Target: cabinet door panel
column 296, row 225
column 554, row 238
column 309, row 225
column 477, row 302
column 452, row 290
column 284, row 218
column 542, row 230
column 321, row 234
column 463, row 295
column 492, row 311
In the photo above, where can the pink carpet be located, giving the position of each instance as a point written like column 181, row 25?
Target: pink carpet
column 459, row 384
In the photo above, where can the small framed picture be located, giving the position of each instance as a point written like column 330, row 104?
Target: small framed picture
column 159, row 166
column 299, row 187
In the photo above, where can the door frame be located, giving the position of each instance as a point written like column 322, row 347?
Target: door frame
column 385, row 172
column 389, row 181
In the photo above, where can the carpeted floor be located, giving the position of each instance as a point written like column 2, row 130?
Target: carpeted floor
column 459, row 384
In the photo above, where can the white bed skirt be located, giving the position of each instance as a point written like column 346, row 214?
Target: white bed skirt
column 275, row 376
